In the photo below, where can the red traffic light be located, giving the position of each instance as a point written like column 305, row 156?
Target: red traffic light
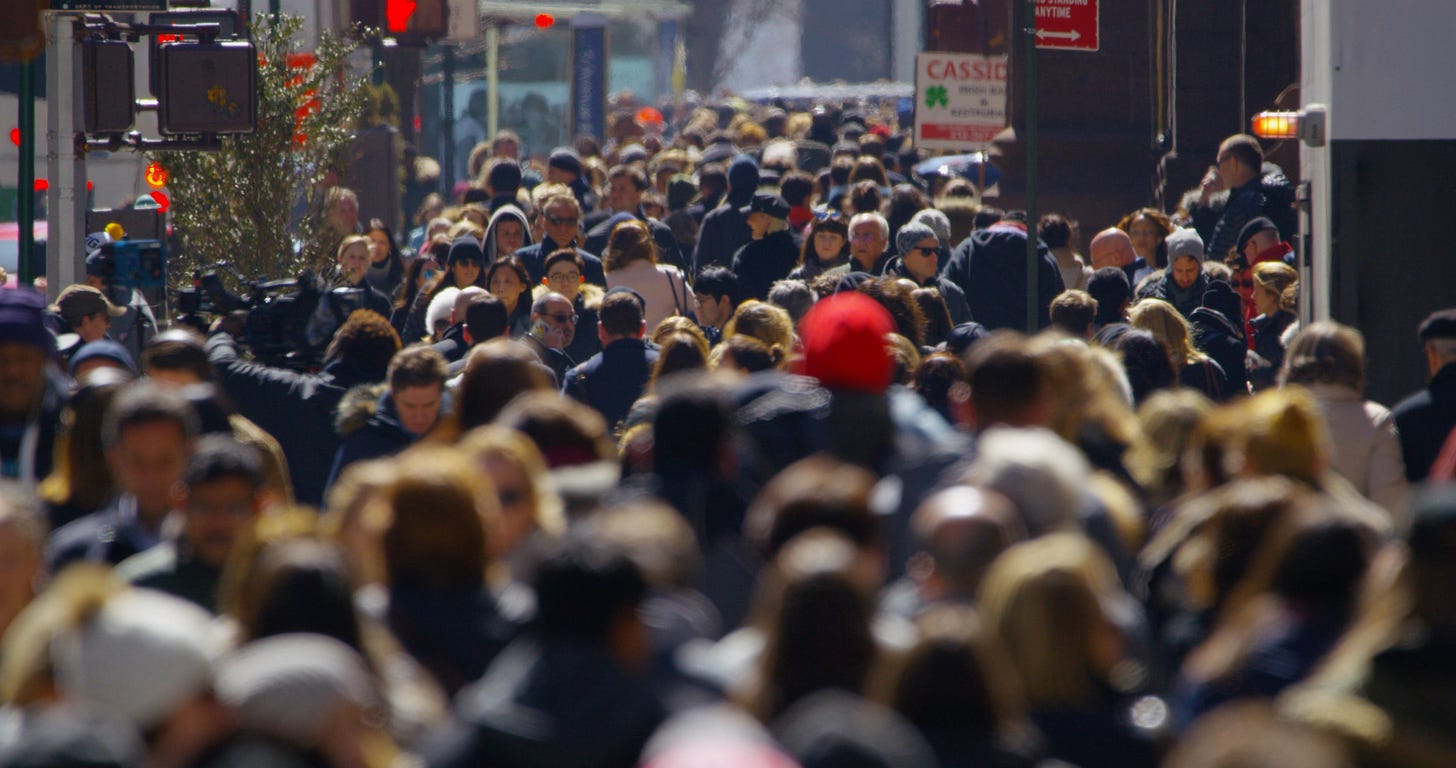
column 41, row 185
column 162, row 200
column 397, row 14
column 544, row 20
column 15, row 136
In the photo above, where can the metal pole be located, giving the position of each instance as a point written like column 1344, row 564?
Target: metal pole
column 1033, row 321
column 492, row 80
column 25, row 185
column 447, row 125
column 65, row 166
column 274, row 9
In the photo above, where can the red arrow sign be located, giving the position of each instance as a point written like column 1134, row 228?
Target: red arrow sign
column 1070, row 25
column 397, row 14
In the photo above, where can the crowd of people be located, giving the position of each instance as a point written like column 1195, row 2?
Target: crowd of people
column 732, row 448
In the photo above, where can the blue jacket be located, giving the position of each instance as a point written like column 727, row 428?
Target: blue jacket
column 612, row 379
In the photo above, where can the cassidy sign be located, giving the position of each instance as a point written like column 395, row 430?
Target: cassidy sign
column 960, row 99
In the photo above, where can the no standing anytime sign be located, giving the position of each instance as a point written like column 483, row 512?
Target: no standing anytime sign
column 960, row 99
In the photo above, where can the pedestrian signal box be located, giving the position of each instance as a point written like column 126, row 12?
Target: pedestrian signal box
column 106, row 88
column 208, row 88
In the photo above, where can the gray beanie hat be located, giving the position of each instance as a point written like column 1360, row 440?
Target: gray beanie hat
column 911, row 234
column 1184, row 242
column 937, row 221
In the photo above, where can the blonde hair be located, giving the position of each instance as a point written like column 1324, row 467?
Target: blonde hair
column 1169, row 328
column 763, row 321
column 1284, row 434
column 1043, row 599
column 349, row 242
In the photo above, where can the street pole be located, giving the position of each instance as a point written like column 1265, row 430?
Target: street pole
column 25, row 185
column 492, row 79
column 65, row 165
column 1028, row 11
column 447, row 125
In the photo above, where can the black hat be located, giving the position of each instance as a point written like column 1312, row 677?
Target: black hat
column 1433, row 513
column 1255, row 226
column 465, row 248
column 566, row 159
column 772, row 205
column 963, row 336
column 1440, row 324
column 1221, row 298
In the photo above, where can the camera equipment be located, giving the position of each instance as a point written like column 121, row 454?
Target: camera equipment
column 277, row 312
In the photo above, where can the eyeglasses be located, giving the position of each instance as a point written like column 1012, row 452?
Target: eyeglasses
column 571, row 318
column 557, row 221
column 863, row 236
column 569, row 277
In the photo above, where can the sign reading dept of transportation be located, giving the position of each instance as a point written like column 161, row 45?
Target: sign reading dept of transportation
column 1068, row 25
column 960, row 99
column 104, row 6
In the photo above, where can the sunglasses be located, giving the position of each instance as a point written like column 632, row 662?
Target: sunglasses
column 557, row 221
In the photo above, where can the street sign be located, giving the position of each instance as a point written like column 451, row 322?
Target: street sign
column 1067, row 25
column 960, row 99
column 106, row 6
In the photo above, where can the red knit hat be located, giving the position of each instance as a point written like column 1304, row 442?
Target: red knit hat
column 844, row 343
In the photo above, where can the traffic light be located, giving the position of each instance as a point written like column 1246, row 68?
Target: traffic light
column 106, row 86
column 21, row 34
column 208, row 87
column 407, row 21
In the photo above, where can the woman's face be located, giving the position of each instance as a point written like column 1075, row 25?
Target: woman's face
column 354, row 262
column 378, row 245
column 516, row 519
column 564, row 278
column 1266, row 302
column 1145, row 234
column 506, row 285
column 465, row 272
column 828, row 245
column 509, row 236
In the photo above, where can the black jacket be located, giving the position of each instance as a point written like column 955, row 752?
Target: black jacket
column 1221, row 340
column 1424, row 420
column 549, row 705
column 724, row 231
column 295, row 408
column 955, row 298
column 1269, row 346
column 613, row 379
column 1183, row 301
column 533, row 257
column 1270, row 195
column 668, row 252
column 761, row 262
column 369, row 427
column 990, row 268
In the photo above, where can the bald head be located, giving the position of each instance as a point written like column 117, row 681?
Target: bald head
column 1112, row 248
column 959, row 531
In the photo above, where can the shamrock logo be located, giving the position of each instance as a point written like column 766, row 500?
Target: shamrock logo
column 936, row 94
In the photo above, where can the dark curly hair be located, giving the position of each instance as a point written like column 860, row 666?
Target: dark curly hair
column 366, row 340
